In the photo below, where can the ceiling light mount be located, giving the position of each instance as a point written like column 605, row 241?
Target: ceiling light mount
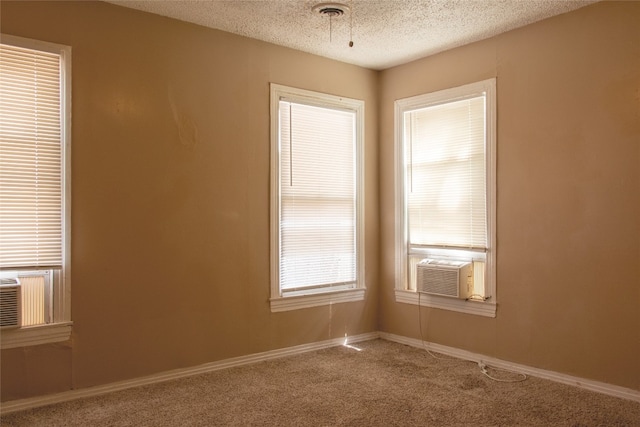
column 335, row 10
column 332, row 10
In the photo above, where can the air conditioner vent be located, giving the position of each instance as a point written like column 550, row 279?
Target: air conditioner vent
column 444, row 277
column 10, row 304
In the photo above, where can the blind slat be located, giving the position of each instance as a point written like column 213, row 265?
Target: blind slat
column 446, row 174
column 30, row 158
column 317, row 190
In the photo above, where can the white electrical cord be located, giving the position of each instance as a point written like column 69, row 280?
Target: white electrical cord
column 422, row 338
column 483, row 369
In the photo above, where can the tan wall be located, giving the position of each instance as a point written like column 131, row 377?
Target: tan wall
column 170, row 196
column 170, row 218
column 568, row 194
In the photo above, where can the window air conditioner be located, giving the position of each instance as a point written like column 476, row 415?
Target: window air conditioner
column 10, row 304
column 447, row 278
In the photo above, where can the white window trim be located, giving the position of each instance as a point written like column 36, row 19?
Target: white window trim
column 60, row 329
column 278, row 302
column 35, row 335
column 482, row 308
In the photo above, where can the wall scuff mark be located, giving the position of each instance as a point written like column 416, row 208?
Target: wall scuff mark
column 187, row 129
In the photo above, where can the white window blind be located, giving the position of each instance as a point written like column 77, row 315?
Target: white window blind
column 317, row 197
column 31, row 171
column 446, row 170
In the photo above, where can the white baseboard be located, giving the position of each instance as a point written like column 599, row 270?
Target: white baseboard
column 34, row 402
column 599, row 387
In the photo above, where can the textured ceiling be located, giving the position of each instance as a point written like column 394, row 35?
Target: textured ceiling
column 385, row 32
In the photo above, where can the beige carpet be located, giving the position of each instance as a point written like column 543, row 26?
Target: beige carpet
column 383, row 384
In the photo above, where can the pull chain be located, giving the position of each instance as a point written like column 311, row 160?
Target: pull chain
column 330, row 28
column 351, row 24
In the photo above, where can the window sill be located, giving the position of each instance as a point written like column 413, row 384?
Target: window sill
column 306, row 301
column 479, row 308
column 34, row 335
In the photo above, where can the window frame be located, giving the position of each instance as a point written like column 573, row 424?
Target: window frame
column 60, row 327
column 403, row 294
column 324, row 296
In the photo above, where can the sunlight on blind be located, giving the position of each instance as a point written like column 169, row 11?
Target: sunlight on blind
column 317, row 190
column 30, row 158
column 445, row 164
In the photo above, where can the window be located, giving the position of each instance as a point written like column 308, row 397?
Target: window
column 316, row 199
column 445, row 196
column 34, row 191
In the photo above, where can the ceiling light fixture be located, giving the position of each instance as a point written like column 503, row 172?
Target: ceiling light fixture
column 330, row 9
column 333, row 10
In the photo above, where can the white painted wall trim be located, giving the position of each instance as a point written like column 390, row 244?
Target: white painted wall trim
column 306, row 301
column 599, row 387
column 34, row 402
column 480, row 308
column 34, row 335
